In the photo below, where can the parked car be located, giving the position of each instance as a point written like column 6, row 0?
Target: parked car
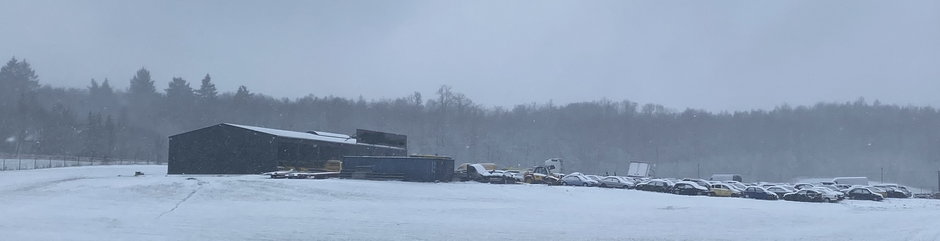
column 617, row 182
column 723, row 190
column 655, row 185
column 812, row 195
column 736, row 184
column 878, row 190
column 759, row 193
column 843, row 187
column 833, row 196
column 700, row 182
column 805, row 195
column 832, row 188
column 516, row 174
column 594, row 177
column 780, row 190
column 578, row 180
column 861, row 193
column 478, row 172
column 689, row 188
column 632, row 180
column 895, row 191
column 801, row 186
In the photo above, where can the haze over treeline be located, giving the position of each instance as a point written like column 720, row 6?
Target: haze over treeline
column 827, row 139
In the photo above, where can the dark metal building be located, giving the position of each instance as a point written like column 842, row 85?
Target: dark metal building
column 240, row 149
column 408, row 168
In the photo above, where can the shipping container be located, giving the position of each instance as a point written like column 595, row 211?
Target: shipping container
column 406, row 168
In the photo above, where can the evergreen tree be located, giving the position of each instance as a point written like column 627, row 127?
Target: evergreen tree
column 93, row 87
column 101, row 97
column 141, row 84
column 92, row 136
column 179, row 91
column 242, row 95
column 16, row 79
column 207, row 89
column 106, row 89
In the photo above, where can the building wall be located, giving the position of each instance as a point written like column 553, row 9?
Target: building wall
column 225, row 149
column 220, row 149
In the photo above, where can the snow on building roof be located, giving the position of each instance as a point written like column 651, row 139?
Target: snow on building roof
column 330, row 137
column 323, row 133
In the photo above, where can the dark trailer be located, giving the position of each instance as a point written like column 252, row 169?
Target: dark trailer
column 240, row 149
column 407, row 168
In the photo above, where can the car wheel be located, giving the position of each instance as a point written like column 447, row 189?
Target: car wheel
column 585, row 184
column 827, row 200
column 747, row 196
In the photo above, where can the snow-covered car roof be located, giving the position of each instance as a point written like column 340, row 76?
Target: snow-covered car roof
column 693, row 184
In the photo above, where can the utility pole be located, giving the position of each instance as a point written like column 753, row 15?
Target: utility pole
column 19, row 162
column 882, row 175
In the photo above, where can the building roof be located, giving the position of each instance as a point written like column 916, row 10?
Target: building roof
column 314, row 135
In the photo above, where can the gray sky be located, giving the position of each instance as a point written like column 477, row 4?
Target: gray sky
column 715, row 55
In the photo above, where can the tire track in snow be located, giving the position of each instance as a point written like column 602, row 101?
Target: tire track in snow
column 46, row 184
column 198, row 187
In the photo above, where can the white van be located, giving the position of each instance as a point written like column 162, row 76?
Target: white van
column 726, row 177
column 851, row 180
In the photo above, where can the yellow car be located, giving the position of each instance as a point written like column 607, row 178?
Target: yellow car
column 723, row 190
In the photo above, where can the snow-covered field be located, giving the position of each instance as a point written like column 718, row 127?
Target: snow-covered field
column 95, row 203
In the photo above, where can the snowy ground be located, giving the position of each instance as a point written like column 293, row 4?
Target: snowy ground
column 94, row 203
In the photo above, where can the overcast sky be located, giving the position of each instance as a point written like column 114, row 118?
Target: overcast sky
column 714, row 55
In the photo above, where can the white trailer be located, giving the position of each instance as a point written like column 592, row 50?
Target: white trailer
column 639, row 169
column 851, row 180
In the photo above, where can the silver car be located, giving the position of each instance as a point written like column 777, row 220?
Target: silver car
column 578, row 180
column 617, row 182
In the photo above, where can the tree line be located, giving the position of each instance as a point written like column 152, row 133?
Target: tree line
column 858, row 138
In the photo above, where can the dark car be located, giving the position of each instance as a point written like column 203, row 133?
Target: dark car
column 689, row 188
column 780, row 190
column 804, row 195
column 895, row 191
column 861, row 193
column 655, row 185
column 758, row 193
column 801, row 186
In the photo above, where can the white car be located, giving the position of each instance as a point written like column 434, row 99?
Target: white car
column 736, row 184
column 829, row 193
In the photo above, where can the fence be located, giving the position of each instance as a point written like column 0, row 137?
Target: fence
column 9, row 162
